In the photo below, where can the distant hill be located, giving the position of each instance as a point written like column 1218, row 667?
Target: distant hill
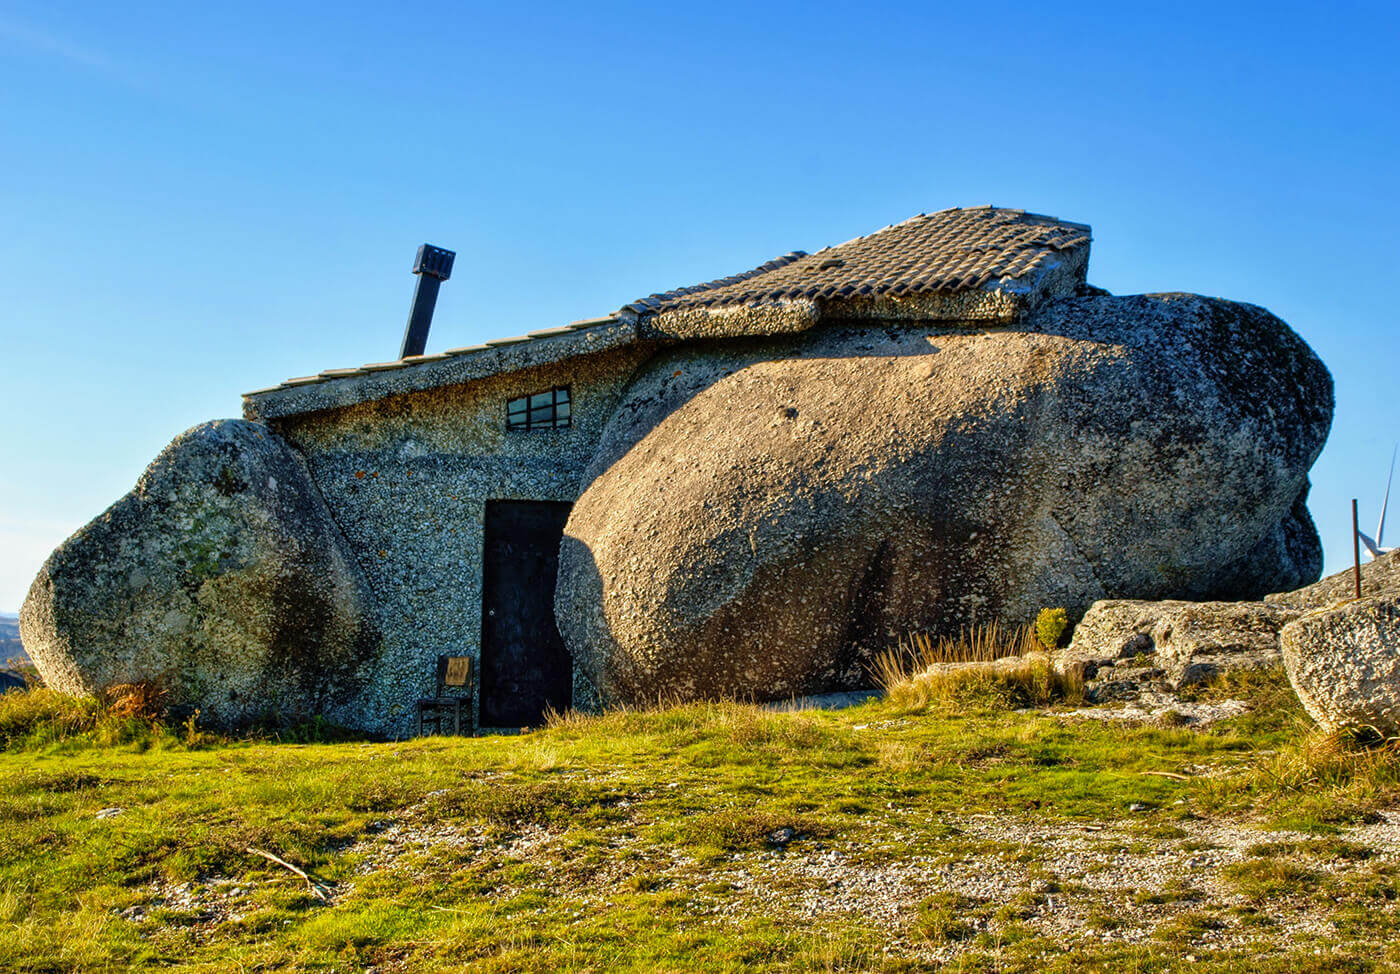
column 10, row 647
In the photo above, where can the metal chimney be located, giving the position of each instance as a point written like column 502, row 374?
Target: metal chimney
column 433, row 265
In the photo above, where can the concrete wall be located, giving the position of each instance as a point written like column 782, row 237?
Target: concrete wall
column 407, row 478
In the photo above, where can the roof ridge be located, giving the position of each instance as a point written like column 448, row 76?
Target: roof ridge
column 958, row 209
column 1012, row 242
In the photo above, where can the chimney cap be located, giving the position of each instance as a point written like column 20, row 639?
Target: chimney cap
column 434, row 261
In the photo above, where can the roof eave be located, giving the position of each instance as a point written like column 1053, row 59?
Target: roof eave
column 337, row 388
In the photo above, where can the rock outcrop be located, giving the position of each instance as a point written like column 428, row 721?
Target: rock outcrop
column 221, row 577
column 763, row 515
column 1378, row 577
column 1344, row 664
column 1126, row 647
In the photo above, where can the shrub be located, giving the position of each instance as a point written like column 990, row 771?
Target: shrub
column 1050, row 627
column 129, row 714
column 21, row 667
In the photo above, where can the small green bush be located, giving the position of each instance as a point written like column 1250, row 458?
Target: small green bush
column 1050, row 627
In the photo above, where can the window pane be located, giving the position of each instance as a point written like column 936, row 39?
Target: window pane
column 540, row 410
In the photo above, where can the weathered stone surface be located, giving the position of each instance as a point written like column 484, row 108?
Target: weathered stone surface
column 1344, row 664
column 1125, row 646
column 762, row 515
column 221, row 576
column 1378, row 577
column 1131, row 648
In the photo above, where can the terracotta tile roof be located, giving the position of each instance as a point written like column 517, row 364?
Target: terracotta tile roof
column 943, row 252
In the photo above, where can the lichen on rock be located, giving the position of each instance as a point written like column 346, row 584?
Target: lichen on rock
column 1125, row 647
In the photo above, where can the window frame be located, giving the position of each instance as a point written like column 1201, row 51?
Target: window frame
column 521, row 411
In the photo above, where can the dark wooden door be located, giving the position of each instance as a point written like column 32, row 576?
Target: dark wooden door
column 524, row 666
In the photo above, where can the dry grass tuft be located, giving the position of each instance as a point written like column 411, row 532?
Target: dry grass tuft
column 991, row 664
column 1335, row 758
column 136, row 701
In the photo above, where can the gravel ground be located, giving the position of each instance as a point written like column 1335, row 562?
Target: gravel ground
column 1071, row 882
column 1154, row 708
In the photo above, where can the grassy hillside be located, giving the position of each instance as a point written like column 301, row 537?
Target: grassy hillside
column 705, row 837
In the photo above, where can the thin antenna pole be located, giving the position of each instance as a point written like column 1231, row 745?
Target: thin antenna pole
column 1356, row 547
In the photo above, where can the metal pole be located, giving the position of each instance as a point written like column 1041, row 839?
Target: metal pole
column 1356, row 547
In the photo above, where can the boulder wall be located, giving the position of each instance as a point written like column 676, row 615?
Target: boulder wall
column 764, row 515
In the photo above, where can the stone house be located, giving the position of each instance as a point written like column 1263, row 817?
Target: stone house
column 745, row 487
column 452, row 474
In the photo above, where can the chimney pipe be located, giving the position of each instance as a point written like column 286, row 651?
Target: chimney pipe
column 433, row 265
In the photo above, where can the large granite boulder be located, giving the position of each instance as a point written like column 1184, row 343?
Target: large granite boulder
column 221, row 577
column 1344, row 664
column 763, row 515
column 1125, row 647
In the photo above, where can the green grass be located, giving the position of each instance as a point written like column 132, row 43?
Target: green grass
column 685, row 838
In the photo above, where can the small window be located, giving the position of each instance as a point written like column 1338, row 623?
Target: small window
column 542, row 411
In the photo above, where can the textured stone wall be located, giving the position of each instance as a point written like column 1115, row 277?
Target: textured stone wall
column 407, row 478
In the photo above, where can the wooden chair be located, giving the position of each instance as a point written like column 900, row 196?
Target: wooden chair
column 453, row 673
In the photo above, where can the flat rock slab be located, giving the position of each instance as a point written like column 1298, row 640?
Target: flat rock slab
column 1187, row 713
column 1378, row 577
column 824, row 701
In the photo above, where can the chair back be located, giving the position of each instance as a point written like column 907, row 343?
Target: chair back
column 453, row 673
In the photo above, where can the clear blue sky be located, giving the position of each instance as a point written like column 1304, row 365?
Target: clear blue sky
column 198, row 200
